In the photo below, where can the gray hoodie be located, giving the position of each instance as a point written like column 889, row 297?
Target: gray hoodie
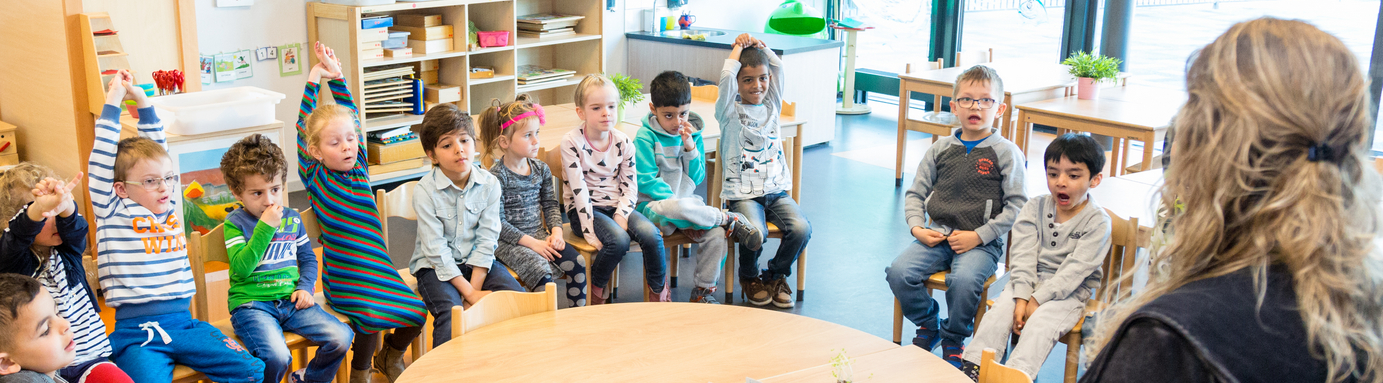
column 1053, row 261
column 978, row 191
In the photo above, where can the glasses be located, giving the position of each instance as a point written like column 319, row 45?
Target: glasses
column 152, row 183
column 966, row 102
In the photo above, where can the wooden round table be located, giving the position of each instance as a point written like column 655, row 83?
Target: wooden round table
column 645, row 342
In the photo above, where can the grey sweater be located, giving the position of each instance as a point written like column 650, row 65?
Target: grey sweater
column 979, row 191
column 530, row 202
column 1051, row 262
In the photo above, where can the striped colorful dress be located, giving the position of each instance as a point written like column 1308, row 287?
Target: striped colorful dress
column 359, row 278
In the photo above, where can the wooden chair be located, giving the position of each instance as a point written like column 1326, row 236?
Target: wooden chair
column 937, row 123
column 211, row 247
column 553, row 160
column 1126, row 238
column 500, row 306
column 993, row 372
column 974, row 57
column 399, row 203
column 937, row 281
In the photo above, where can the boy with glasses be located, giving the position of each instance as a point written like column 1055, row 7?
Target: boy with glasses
column 971, row 186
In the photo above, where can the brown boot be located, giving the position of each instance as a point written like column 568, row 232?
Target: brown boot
column 361, row 376
column 389, row 361
column 782, row 294
column 663, row 296
column 598, row 296
column 756, row 291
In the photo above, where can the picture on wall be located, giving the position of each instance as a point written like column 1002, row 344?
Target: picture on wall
column 289, row 60
column 225, row 67
column 243, row 69
column 208, row 70
column 206, row 198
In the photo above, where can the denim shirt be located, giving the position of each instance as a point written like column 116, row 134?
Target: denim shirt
column 456, row 225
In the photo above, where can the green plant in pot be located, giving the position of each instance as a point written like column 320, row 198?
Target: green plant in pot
column 1091, row 69
column 630, row 91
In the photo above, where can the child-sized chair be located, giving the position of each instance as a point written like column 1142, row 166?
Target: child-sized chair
column 1125, row 238
column 500, row 306
column 937, row 281
column 993, row 372
column 553, row 160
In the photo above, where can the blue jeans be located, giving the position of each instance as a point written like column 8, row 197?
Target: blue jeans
column 260, row 325
column 139, row 348
column 615, row 242
column 440, row 296
column 780, row 209
column 964, row 284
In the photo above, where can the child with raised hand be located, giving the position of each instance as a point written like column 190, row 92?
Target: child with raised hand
column 359, row 279
column 141, row 254
column 45, row 240
column 757, row 175
column 530, row 241
column 273, row 270
column 671, row 161
column 459, row 216
column 598, row 162
column 36, row 341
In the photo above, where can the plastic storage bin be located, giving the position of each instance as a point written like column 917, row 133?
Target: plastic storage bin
column 489, row 39
column 396, row 40
column 216, row 110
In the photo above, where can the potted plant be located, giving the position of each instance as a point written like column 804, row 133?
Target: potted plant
column 841, row 368
column 1090, row 68
column 630, row 91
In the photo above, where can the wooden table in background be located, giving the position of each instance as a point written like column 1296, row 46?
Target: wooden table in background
column 642, row 342
column 1024, row 81
column 901, row 364
column 1125, row 113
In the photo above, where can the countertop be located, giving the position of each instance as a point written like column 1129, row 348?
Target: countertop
column 780, row 44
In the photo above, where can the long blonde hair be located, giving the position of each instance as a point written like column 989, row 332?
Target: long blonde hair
column 1265, row 99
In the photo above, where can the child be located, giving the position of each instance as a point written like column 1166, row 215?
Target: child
column 35, row 340
column 1275, row 273
column 359, row 279
column 273, row 271
column 1059, row 242
column 971, row 185
column 600, row 191
column 458, row 222
column 141, row 254
column 530, row 241
column 670, row 159
column 45, row 240
column 757, row 178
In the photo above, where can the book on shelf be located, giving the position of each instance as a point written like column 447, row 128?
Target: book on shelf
column 535, row 73
column 416, row 163
column 546, row 34
column 391, row 135
column 549, row 20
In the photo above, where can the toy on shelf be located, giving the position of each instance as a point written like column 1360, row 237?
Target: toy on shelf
column 168, row 82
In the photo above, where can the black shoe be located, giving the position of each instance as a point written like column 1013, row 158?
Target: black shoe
column 951, row 352
column 744, row 232
column 971, row 370
column 926, row 338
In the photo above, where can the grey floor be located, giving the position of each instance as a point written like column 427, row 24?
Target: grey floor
column 857, row 224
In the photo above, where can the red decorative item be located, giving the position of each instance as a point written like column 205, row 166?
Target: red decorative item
column 490, row 39
column 168, row 82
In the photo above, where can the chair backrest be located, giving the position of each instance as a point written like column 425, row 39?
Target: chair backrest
column 203, row 248
column 975, row 57
column 314, row 228
column 1125, row 239
column 705, row 92
column 925, row 65
column 500, row 306
column 395, row 203
column 993, row 372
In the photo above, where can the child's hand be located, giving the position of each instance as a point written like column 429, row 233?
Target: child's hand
column 543, row 249
column 330, row 64
column 115, row 90
column 622, row 221
column 685, row 130
column 1020, row 307
column 555, row 239
column 928, row 237
column 303, row 299
column 744, row 40
column 272, row 215
column 53, row 197
column 963, row 241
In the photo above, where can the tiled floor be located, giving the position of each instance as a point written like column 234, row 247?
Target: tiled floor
column 857, row 221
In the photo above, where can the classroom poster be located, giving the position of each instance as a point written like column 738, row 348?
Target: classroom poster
column 289, row 60
column 206, row 198
column 243, row 69
column 225, row 67
column 208, row 74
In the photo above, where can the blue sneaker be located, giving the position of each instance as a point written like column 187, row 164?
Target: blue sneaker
column 951, row 352
column 926, row 339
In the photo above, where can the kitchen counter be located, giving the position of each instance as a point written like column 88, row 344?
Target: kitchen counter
column 780, row 44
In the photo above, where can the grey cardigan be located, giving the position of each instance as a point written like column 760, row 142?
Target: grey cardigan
column 1051, row 262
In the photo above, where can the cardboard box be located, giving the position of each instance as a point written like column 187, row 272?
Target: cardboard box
column 482, row 72
column 373, row 34
column 427, row 65
column 371, row 45
column 429, row 33
column 419, row 21
column 429, row 77
column 401, row 52
column 399, row 151
column 371, row 54
column 431, row 46
column 441, row 93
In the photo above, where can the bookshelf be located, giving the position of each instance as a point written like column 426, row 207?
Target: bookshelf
column 338, row 26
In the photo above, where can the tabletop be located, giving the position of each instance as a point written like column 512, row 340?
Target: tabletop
column 1019, row 76
column 1128, row 198
column 643, row 342
column 905, row 363
column 1131, row 105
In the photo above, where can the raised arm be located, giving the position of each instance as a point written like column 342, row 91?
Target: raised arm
column 305, row 108
column 101, row 165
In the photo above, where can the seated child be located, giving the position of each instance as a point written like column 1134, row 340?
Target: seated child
column 141, row 254
column 273, row 271
column 35, row 340
column 1059, row 242
column 671, row 161
column 598, row 162
column 757, row 175
column 530, row 242
column 45, row 239
column 359, row 279
column 971, row 185
column 458, row 222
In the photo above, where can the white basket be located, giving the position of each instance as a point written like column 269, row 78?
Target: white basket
column 216, row 110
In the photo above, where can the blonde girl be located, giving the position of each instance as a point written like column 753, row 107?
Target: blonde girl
column 1272, row 274
column 601, row 188
column 530, row 240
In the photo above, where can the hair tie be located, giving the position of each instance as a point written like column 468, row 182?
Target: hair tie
column 537, row 111
column 1320, row 152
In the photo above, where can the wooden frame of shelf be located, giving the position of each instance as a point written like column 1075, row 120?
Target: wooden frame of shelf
column 338, row 26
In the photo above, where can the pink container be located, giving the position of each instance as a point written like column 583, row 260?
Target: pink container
column 1087, row 88
column 489, row 39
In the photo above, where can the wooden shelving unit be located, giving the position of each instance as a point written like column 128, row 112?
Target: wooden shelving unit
column 338, row 26
column 103, row 53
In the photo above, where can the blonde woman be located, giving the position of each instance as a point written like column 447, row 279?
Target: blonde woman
column 1273, row 275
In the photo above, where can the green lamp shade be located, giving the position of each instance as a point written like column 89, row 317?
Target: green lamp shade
column 794, row 18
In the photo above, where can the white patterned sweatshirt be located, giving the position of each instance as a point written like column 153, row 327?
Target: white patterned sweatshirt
column 598, row 178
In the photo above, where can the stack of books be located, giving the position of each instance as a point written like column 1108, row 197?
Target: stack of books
column 546, row 25
column 533, row 74
column 394, row 150
column 389, row 91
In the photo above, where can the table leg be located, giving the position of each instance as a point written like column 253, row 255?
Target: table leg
column 1007, row 123
column 797, row 164
column 1114, row 158
column 712, row 180
column 1147, row 151
column 1021, row 134
column 903, row 99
